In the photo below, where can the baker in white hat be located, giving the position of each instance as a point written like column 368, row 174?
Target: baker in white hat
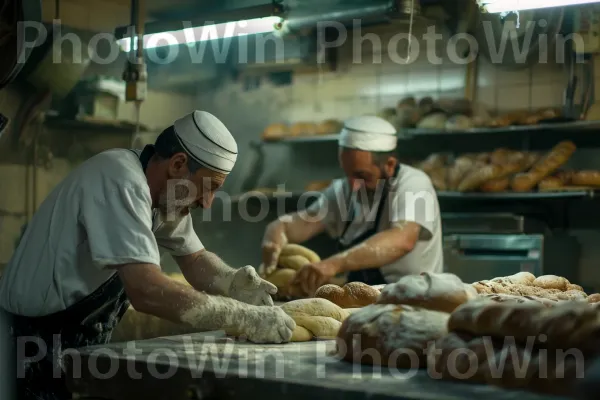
column 384, row 215
column 92, row 248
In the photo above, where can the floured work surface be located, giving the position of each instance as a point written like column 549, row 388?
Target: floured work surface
column 194, row 367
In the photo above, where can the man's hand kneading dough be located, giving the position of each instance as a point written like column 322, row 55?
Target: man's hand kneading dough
column 259, row 322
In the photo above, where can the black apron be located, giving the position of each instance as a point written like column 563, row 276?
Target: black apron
column 370, row 276
column 88, row 322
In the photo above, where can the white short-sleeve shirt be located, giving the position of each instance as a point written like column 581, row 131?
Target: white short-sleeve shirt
column 100, row 216
column 411, row 198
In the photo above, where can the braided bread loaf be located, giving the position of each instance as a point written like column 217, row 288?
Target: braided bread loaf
column 351, row 295
column 315, row 318
column 439, row 292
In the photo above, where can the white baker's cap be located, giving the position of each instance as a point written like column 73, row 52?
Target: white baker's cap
column 207, row 140
column 368, row 133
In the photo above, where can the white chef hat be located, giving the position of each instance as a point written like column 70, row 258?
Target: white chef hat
column 207, row 140
column 368, row 133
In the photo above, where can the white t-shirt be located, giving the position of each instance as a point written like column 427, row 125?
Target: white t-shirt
column 99, row 216
column 411, row 198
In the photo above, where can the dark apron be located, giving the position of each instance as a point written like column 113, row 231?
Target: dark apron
column 88, row 322
column 370, row 276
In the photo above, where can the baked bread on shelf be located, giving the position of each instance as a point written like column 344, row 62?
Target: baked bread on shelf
column 556, row 158
column 303, row 129
column 329, row 127
column 276, row 131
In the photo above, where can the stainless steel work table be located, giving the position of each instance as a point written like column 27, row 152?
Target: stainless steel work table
column 197, row 368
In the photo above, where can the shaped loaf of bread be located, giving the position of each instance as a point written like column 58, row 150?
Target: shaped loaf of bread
column 291, row 258
column 486, row 360
column 351, row 295
column 315, row 318
column 567, row 325
column 390, row 335
column 439, row 292
column 510, row 298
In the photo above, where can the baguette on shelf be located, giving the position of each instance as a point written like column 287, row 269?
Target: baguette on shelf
column 506, row 170
column 279, row 131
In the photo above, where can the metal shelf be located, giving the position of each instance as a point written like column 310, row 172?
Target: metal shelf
column 407, row 134
column 91, row 125
column 269, row 196
column 304, row 139
column 559, row 126
column 518, row 195
column 590, row 193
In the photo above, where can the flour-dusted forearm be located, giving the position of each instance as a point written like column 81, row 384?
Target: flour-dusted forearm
column 381, row 249
column 152, row 292
column 206, row 272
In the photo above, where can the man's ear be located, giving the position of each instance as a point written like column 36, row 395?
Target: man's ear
column 390, row 165
column 178, row 165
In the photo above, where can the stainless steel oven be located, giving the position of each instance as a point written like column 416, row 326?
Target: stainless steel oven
column 478, row 247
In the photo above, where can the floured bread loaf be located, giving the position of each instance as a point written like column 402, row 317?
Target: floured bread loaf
column 509, row 298
column 351, row 295
column 485, row 360
column 504, row 286
column 440, row 292
column 315, row 318
column 521, row 278
column 390, row 335
column 567, row 325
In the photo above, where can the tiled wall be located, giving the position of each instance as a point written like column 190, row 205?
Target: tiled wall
column 16, row 200
column 355, row 89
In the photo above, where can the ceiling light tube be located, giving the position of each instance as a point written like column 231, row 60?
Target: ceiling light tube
column 503, row 6
column 191, row 34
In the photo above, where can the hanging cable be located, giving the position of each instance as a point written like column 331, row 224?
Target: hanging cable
column 410, row 28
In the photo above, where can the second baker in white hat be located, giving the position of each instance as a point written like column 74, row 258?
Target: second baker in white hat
column 384, row 215
column 92, row 248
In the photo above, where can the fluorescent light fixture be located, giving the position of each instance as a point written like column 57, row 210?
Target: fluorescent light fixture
column 503, row 6
column 191, row 34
